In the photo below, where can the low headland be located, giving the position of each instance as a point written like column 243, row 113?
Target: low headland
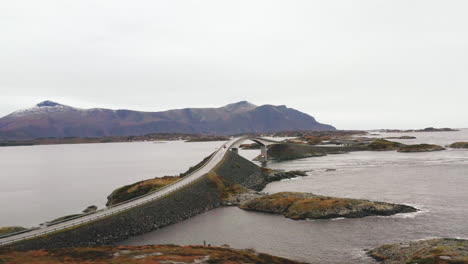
column 459, row 145
column 431, row 251
column 427, row 129
column 421, row 148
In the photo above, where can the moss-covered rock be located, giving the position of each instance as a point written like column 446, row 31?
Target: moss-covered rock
column 168, row 254
column 459, row 145
column 10, row 229
column 307, row 205
column 421, row 148
column 292, row 151
column 137, row 189
column 382, row 144
column 432, row 251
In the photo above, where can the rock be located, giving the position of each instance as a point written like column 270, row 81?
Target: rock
column 237, row 194
column 402, row 137
column 432, row 251
column 292, row 151
column 137, row 189
column 278, row 175
column 250, row 146
column 421, row 148
column 307, row 205
column 459, row 145
column 90, row 209
column 432, row 129
column 382, row 144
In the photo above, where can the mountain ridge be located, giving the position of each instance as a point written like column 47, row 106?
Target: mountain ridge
column 52, row 119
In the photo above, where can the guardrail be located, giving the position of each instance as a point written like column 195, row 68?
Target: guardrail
column 113, row 212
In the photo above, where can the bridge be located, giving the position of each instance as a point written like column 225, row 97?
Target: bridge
column 216, row 158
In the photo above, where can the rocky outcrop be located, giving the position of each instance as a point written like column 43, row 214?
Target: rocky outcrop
column 140, row 188
column 310, row 206
column 432, row 251
column 137, row 189
column 421, row 148
column 167, row 254
column 382, row 144
column 90, row 209
column 459, row 145
column 281, row 152
column 402, row 137
column 10, row 229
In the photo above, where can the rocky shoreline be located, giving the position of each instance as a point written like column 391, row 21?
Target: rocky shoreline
column 299, row 206
column 432, row 251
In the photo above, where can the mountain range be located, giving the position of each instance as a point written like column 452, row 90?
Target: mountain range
column 51, row 119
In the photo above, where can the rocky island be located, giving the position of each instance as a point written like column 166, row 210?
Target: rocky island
column 167, row 254
column 310, row 206
column 459, row 145
column 402, row 137
column 432, row 251
column 10, row 229
column 421, row 148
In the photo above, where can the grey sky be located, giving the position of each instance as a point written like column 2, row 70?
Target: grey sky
column 352, row 64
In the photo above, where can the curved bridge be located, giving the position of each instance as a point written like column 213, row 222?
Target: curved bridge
column 215, row 159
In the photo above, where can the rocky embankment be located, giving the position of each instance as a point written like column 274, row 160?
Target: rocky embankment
column 160, row 254
column 421, row 148
column 432, row 251
column 310, row 206
column 459, row 145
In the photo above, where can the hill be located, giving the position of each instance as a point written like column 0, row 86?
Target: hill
column 51, row 119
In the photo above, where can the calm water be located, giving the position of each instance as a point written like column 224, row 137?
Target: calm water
column 42, row 182
column 436, row 183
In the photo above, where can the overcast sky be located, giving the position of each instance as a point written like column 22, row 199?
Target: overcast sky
column 352, row 64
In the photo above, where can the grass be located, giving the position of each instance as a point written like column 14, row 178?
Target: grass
column 140, row 188
column 140, row 255
column 10, row 229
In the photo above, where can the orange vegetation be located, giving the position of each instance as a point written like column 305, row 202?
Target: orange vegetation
column 155, row 254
